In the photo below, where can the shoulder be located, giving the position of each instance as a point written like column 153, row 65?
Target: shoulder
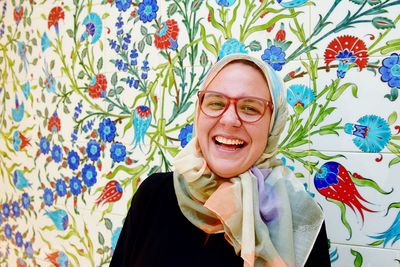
column 154, row 187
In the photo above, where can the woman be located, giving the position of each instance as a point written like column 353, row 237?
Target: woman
column 229, row 201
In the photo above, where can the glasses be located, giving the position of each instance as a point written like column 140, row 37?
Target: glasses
column 248, row 109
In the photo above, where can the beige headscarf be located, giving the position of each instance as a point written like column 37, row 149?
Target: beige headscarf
column 232, row 206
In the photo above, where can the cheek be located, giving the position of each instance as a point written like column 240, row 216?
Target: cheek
column 203, row 128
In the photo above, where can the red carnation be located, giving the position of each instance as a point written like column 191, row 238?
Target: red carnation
column 166, row 34
column 98, row 86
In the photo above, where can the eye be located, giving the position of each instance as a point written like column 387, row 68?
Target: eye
column 250, row 110
column 214, row 104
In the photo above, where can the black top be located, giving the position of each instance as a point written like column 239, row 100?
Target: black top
column 156, row 233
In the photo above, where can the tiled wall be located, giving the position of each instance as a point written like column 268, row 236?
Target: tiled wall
column 96, row 95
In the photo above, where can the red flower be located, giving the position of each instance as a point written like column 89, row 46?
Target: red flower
column 98, row 86
column 54, row 123
column 18, row 14
column 167, row 34
column 56, row 13
column 281, row 34
column 350, row 43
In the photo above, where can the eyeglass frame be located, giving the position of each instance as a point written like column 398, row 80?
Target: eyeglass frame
column 268, row 104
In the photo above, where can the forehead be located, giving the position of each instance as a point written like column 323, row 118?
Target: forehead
column 238, row 79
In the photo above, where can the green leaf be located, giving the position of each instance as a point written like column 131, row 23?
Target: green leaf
column 70, row 33
column 105, row 15
column 376, row 243
column 196, row 5
column 141, row 46
column 101, row 238
column 382, row 23
column 322, row 116
column 81, row 74
column 100, row 64
column 110, row 108
column 108, row 223
column 203, row 59
column 299, row 175
column 343, row 88
column 119, row 90
column 392, row 205
column 172, row 8
column 143, row 30
column 114, row 79
column 149, row 39
column 255, row 46
column 369, row 183
column 392, row 118
column 394, row 161
column 358, row 261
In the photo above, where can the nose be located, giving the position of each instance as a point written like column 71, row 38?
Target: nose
column 230, row 117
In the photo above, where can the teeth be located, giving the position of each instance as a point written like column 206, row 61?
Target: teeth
column 226, row 141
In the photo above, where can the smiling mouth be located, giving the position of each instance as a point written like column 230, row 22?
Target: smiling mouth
column 229, row 144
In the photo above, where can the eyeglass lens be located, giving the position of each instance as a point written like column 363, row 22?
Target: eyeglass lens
column 248, row 109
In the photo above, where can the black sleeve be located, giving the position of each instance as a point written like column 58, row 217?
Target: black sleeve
column 319, row 256
column 134, row 229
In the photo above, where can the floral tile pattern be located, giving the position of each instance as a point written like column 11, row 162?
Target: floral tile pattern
column 97, row 95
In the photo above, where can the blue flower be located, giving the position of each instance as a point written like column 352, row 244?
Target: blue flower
column 1, row 218
column 123, row 5
column 328, row 175
column 114, row 45
column 134, row 54
column 93, row 150
column 120, row 23
column 390, row 70
column 6, row 210
column 275, row 57
column 185, row 134
column 372, row 133
column 89, row 175
column 345, row 58
column 16, row 210
column 132, row 82
column 114, row 238
column 147, row 10
column 232, row 46
column 59, row 218
column 18, row 239
column 226, row 3
column 75, row 186
column 7, row 231
column 299, row 97
column 48, row 197
column 56, row 153
column 291, row 3
column 73, row 160
column 61, row 187
column 44, row 145
column 107, row 130
column 45, row 42
column 26, row 201
column 29, row 249
column 118, row 152
column 26, row 89
column 94, row 27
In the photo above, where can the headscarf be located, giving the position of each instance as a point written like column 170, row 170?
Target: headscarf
column 264, row 213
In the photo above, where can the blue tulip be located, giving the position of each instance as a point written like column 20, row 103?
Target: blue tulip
column 141, row 122
column 59, row 218
column 18, row 112
column 19, row 180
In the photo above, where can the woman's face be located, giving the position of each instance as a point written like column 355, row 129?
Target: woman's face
column 229, row 146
